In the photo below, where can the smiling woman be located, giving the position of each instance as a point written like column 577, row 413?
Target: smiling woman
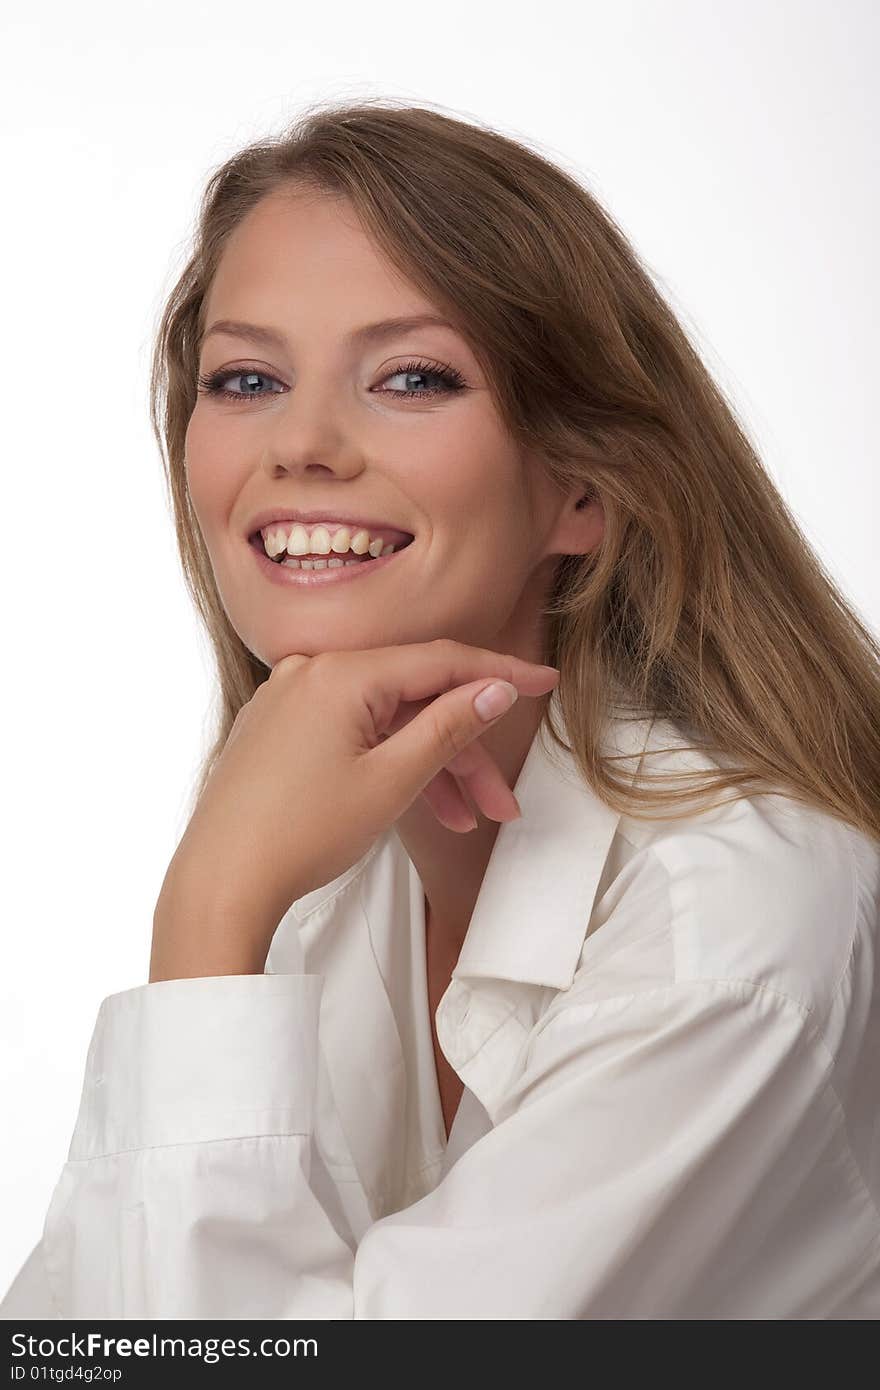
column 427, row 426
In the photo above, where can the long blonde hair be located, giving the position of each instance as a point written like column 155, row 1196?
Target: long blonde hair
column 703, row 603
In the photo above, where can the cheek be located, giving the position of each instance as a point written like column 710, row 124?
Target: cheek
column 486, row 575
column 208, row 474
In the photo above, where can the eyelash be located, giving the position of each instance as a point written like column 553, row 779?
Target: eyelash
column 453, row 380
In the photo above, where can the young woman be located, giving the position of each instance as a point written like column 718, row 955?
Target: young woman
column 558, row 1010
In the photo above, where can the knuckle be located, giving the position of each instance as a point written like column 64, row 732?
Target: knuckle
column 446, row 738
column 287, row 665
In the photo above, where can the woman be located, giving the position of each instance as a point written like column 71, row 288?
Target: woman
column 608, row 1054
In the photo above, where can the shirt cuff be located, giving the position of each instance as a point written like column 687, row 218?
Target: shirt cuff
column 192, row 1060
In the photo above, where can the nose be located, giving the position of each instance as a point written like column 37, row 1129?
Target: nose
column 306, row 463
column 308, row 441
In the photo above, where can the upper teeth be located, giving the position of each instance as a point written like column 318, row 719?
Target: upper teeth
column 318, row 541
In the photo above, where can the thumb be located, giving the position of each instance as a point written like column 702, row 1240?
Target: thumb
column 413, row 756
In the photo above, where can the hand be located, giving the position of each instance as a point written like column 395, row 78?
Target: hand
column 329, row 752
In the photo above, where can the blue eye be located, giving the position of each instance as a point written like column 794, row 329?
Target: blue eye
column 215, row 383
column 452, row 380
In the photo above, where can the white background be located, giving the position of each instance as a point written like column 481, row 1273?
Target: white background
column 735, row 143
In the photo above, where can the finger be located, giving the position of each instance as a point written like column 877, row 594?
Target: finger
column 443, row 794
column 445, row 798
column 455, row 803
column 475, row 775
column 424, row 670
column 481, row 777
column 413, row 756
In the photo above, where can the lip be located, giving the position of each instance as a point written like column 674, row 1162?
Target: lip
column 278, row 516
column 305, row 579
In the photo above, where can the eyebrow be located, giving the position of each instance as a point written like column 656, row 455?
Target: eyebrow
column 367, row 333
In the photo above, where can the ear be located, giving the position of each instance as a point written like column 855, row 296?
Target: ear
column 580, row 526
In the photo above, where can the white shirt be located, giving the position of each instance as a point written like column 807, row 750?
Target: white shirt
column 668, row 1036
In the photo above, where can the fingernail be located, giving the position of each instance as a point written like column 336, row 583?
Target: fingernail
column 495, row 699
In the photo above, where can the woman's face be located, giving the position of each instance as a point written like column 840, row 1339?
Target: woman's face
column 317, row 429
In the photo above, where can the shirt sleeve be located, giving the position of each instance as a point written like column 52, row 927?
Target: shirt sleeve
column 633, row 1169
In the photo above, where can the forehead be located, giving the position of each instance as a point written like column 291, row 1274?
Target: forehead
column 296, row 247
column 302, row 266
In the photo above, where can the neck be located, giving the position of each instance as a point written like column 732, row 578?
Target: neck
column 451, row 865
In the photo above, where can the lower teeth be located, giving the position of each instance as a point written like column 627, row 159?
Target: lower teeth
column 295, row 564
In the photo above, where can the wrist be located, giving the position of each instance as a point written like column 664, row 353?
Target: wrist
column 194, row 934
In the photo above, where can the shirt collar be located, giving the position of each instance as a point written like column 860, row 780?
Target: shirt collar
column 537, row 894
column 534, row 905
